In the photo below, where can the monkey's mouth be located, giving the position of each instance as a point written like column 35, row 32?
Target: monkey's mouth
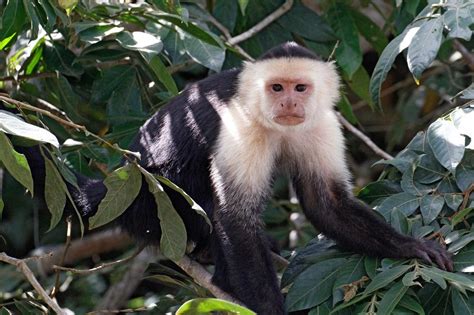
column 289, row 120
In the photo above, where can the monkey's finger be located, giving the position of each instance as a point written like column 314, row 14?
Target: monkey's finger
column 439, row 257
column 448, row 261
column 424, row 256
column 439, row 261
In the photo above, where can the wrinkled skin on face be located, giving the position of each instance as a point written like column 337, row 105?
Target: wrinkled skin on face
column 288, row 98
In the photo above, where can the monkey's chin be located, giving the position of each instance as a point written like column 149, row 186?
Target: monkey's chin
column 288, row 120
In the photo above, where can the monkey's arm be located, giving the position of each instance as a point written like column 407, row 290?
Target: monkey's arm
column 337, row 214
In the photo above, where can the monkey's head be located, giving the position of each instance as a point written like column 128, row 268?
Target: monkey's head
column 288, row 88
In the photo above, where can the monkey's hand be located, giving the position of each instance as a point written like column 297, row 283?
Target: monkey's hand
column 430, row 252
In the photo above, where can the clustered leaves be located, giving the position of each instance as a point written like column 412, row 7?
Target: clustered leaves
column 110, row 66
column 425, row 191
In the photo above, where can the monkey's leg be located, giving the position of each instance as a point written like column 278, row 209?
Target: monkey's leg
column 243, row 262
column 335, row 212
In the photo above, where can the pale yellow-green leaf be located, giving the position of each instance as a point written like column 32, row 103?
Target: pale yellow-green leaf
column 123, row 186
column 54, row 193
column 173, row 232
column 15, row 163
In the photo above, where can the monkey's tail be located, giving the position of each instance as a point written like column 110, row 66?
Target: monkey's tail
column 86, row 198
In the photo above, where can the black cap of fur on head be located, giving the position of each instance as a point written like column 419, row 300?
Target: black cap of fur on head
column 289, row 50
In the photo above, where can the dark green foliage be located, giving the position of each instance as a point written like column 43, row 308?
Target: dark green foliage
column 103, row 69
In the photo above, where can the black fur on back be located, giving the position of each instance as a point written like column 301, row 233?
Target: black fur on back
column 289, row 50
column 176, row 142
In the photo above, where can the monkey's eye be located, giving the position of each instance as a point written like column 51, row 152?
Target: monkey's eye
column 277, row 87
column 300, row 88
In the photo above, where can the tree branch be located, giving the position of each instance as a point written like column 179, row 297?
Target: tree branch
column 121, row 291
column 29, row 76
column 261, row 25
column 466, row 54
column 101, row 266
column 26, row 271
column 94, row 244
column 359, row 134
column 6, row 98
column 204, row 278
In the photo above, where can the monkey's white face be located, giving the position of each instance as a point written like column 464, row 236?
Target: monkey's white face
column 288, row 94
column 288, row 98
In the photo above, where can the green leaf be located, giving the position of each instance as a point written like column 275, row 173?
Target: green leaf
column 111, row 79
column 243, row 5
column 462, row 304
column 207, row 306
column 453, row 201
column 406, row 203
column 307, row 24
column 13, row 19
column 348, row 52
column 60, row 59
column 360, row 85
column 314, row 285
column 463, row 118
column 54, row 193
column 385, row 278
column 163, row 75
column 370, row 264
column 15, row 163
column 68, row 5
column 11, row 124
column 345, row 108
column 456, row 278
column 458, row 19
column 424, row 46
column 371, row 32
column 377, row 190
column 349, row 272
column 461, row 242
column 226, row 13
column 93, row 32
column 148, row 45
column 391, row 298
column 2, row 205
column 384, row 64
column 428, row 170
column 399, row 221
column 123, row 186
column 188, row 198
column 467, row 93
column 31, row 10
column 189, row 28
column 49, row 14
column 208, row 55
column 173, row 232
column 125, row 104
column 460, row 216
column 410, row 303
column 431, row 206
column 463, row 261
column 447, row 144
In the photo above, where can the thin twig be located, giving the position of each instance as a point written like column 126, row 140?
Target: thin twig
column 204, row 278
column 100, row 267
column 63, row 256
column 26, row 271
column 29, row 76
column 364, row 138
column 90, row 245
column 6, row 98
column 120, row 292
column 261, row 25
column 466, row 54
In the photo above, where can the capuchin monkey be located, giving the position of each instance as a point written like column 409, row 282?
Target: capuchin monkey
column 224, row 139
